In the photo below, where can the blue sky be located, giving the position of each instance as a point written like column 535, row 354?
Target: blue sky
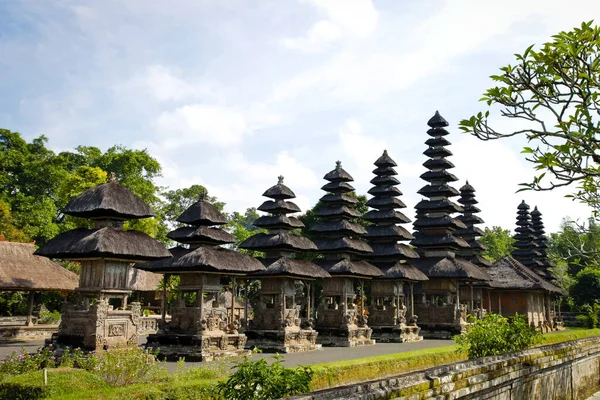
column 230, row 93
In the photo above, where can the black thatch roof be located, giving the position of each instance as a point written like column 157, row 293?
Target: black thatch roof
column 385, row 203
column 215, row 260
column 383, row 171
column 385, row 180
column 21, row 270
column 344, row 244
column 342, row 211
column 445, row 241
column 202, row 212
column 384, row 191
column 387, row 250
column 437, row 152
column 387, row 231
column 278, row 222
column 437, row 141
column 450, row 268
column 338, row 187
column 438, row 190
column 508, row 273
column 339, row 198
column 279, row 191
column 293, row 268
column 105, row 242
column 279, row 207
column 338, row 174
column 109, row 200
column 343, row 227
column 283, row 241
column 403, row 271
column 444, row 205
column 346, row 267
column 385, row 160
column 164, row 264
column 200, row 234
column 381, row 216
column 437, row 121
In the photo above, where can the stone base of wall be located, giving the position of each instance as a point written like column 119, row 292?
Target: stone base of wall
column 280, row 341
column 27, row 332
column 342, row 337
column 563, row 371
column 197, row 347
column 383, row 334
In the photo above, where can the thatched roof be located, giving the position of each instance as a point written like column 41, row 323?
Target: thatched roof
column 278, row 221
column 202, row 212
column 385, row 203
column 446, row 241
column 385, row 171
column 105, row 242
column 339, row 198
column 109, row 200
column 387, row 231
column 342, row 227
column 441, row 175
column 279, row 206
column 200, row 234
column 144, row 281
column 342, row 211
column 382, row 216
column 385, row 180
column 444, row 205
column 164, row 264
column 450, row 268
column 346, row 267
column 343, row 244
column 215, row 260
column 279, row 191
column 437, row 141
column 437, row 121
column 282, row 241
column 385, row 160
column 338, row 174
column 508, row 273
column 293, row 268
column 435, row 163
column 21, row 270
column 393, row 249
column 438, row 190
column 437, row 152
column 338, row 187
column 404, row 271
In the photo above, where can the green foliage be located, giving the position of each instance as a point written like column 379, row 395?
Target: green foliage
column 495, row 334
column 49, row 318
column 590, row 315
column 499, row 242
column 13, row 303
column 554, row 93
column 20, row 363
column 257, row 380
column 129, row 365
column 576, row 244
column 242, row 227
column 586, row 289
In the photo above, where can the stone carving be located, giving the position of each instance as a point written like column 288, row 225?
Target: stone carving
column 116, row 330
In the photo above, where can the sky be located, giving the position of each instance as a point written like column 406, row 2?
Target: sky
column 230, row 94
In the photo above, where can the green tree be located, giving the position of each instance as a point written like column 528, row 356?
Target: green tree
column 576, row 245
column 7, row 225
column 499, row 242
column 553, row 92
column 586, row 289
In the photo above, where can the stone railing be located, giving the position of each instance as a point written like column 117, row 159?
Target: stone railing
column 148, row 324
column 569, row 370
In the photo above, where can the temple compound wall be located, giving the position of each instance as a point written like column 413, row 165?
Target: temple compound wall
column 569, row 370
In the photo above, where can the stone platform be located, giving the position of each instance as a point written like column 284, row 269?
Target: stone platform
column 173, row 346
column 280, row 341
column 10, row 332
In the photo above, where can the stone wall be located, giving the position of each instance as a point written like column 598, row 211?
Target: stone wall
column 569, row 370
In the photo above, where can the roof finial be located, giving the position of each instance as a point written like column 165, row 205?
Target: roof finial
column 467, row 181
column 112, row 177
column 385, row 152
column 338, row 164
column 280, row 180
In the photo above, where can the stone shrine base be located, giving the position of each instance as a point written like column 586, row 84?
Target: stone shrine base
column 346, row 336
column 192, row 347
column 9, row 332
column 280, row 341
column 396, row 334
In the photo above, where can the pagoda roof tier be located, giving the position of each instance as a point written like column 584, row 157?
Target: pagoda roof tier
column 524, row 237
column 439, row 241
column 292, row 268
column 392, row 250
column 279, row 191
column 508, row 273
column 385, row 160
column 523, row 253
column 279, row 207
column 350, row 268
column 343, row 227
column 342, row 244
column 467, row 189
column 403, row 271
column 385, row 203
column 338, row 198
column 201, row 234
column 438, row 163
column 161, row 265
column 436, row 132
column 391, row 232
column 384, row 191
column 385, row 216
column 341, row 212
column 435, row 152
column 480, row 261
column 338, row 174
column 384, row 171
column 438, row 191
column 110, row 201
column 202, row 212
column 475, row 244
column 523, row 206
column 469, row 231
column 385, row 180
column 437, row 142
column 450, row 268
column 278, row 222
column 107, row 242
column 437, row 121
column 444, row 205
column 470, row 219
column 278, row 241
column 439, row 222
column 438, row 176
column 469, row 207
column 338, row 187
column 216, row 260
column 525, row 229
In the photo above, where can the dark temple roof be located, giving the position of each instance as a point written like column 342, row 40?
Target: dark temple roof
column 293, row 268
column 202, row 212
column 508, row 273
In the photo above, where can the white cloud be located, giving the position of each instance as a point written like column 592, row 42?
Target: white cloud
column 360, row 151
column 198, row 123
column 344, row 18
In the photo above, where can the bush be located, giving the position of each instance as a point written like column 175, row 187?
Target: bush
column 16, row 364
column 257, row 380
column 495, row 334
column 49, row 318
column 590, row 315
column 128, row 365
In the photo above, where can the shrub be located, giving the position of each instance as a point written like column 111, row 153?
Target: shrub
column 257, row 380
column 128, row 365
column 16, row 364
column 590, row 315
column 49, row 318
column 495, row 334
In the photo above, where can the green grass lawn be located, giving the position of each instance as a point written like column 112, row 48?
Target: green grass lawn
column 195, row 383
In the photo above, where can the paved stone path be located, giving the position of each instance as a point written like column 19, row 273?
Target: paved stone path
column 328, row 354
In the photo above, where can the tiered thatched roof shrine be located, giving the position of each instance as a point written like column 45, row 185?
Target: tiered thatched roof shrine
column 205, row 329
column 526, row 249
column 388, row 307
column 279, row 323
column 106, row 253
column 541, row 245
column 440, row 307
column 341, row 321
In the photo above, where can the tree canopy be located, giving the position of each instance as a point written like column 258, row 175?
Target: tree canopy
column 553, row 94
column 498, row 241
